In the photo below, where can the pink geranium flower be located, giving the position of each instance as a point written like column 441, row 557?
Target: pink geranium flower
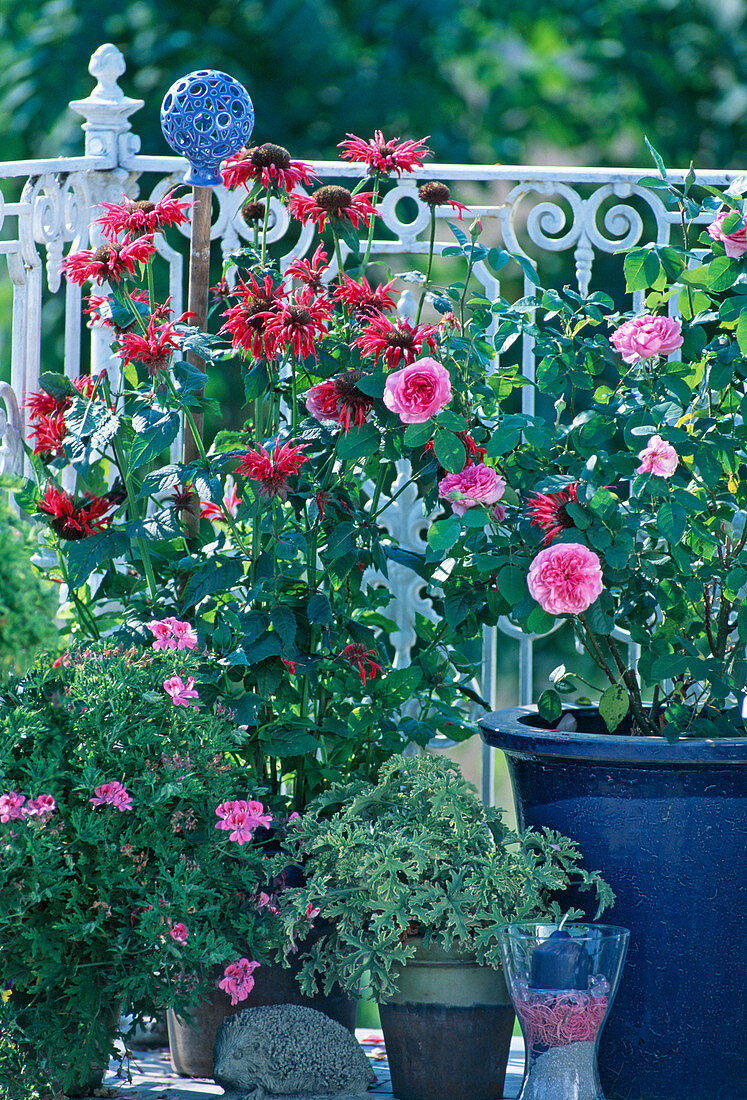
column 565, row 579
column 183, row 633
column 42, row 806
column 162, row 632
column 658, row 457
column 735, row 242
column 238, row 980
column 478, row 484
column 112, row 794
column 241, row 818
column 646, row 336
column 418, row 391
column 179, row 932
column 11, row 806
column 179, row 692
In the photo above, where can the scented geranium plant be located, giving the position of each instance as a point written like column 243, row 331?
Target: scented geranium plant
column 271, row 541
column 417, row 856
column 134, row 862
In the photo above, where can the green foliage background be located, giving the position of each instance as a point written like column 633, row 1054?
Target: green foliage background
column 27, row 602
column 549, row 80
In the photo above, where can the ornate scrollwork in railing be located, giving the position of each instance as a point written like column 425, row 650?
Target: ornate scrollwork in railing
column 11, row 428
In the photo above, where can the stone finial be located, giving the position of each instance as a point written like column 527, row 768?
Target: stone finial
column 107, row 109
column 107, row 64
column 288, row 1051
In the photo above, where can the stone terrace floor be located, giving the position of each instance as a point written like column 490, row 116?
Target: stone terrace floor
column 154, row 1079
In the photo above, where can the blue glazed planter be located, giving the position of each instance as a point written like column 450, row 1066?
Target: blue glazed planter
column 666, row 826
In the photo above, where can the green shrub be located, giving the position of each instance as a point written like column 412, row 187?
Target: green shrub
column 27, row 602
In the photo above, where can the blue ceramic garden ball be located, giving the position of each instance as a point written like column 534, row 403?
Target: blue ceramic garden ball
column 206, row 116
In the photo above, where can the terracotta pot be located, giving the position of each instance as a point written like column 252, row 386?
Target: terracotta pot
column 191, row 1045
column 448, row 1028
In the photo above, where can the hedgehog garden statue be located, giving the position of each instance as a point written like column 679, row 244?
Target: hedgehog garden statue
column 288, row 1050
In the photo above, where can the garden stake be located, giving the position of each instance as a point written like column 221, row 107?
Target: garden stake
column 199, row 282
column 205, row 116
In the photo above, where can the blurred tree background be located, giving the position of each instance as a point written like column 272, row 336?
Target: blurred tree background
column 547, row 81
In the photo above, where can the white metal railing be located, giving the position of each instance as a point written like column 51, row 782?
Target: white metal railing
column 533, row 211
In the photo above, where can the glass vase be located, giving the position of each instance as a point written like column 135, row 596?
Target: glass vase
column 562, row 980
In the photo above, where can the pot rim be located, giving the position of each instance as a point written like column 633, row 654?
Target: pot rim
column 509, row 729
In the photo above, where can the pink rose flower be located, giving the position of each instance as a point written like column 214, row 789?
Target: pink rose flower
column 322, row 402
column 179, row 932
column 42, row 806
column 112, row 794
column 646, row 336
column 179, row 692
column 238, row 980
column 474, row 485
column 735, row 243
column 565, row 579
column 658, row 457
column 184, row 634
column 419, row 391
column 11, row 806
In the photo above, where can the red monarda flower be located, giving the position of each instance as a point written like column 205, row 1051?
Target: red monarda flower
column 396, row 341
column 472, row 453
column 273, row 470
column 434, row 193
column 49, row 412
column 270, row 164
column 246, row 321
column 296, row 325
column 71, row 521
column 154, row 349
column 362, row 298
column 548, row 511
column 385, row 156
column 332, row 201
column 221, row 292
column 49, row 434
column 311, row 271
column 109, row 262
column 356, row 654
column 338, row 400
column 142, row 217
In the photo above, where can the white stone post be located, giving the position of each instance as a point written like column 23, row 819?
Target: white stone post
column 108, row 133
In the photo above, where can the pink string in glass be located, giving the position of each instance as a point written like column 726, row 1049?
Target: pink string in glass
column 554, row 1020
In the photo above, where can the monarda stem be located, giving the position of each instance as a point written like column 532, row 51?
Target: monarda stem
column 369, row 242
column 265, row 224
column 431, row 246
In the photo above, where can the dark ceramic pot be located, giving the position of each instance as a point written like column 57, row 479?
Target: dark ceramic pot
column 448, row 1028
column 665, row 824
column 191, row 1044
